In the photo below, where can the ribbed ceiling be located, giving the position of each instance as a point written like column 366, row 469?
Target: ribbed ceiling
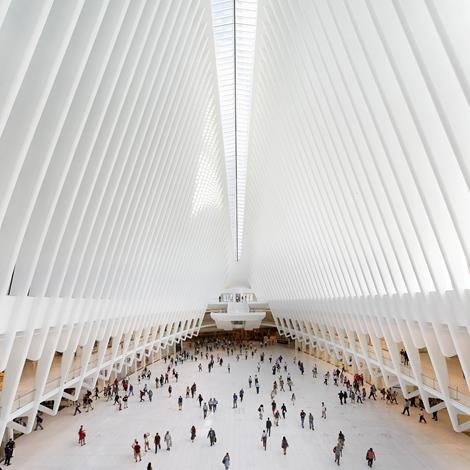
column 359, row 165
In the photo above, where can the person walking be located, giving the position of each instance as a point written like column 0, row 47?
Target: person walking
column 146, row 441
column 193, row 433
column 180, row 403
column 77, row 408
column 370, row 457
column 277, row 415
column 310, row 422
column 422, row 419
column 284, row 445
column 81, row 436
column 156, row 441
column 235, row 399
column 269, row 425
column 39, row 421
column 337, row 452
column 264, row 439
column 212, row 437
column 406, row 407
column 302, row 418
column 226, row 461
column 149, row 466
column 167, row 439
column 323, row 410
column 204, row 410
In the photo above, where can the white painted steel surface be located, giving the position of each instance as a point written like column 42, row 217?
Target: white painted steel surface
column 357, row 220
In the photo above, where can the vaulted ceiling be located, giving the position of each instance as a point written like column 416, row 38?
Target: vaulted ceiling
column 121, row 176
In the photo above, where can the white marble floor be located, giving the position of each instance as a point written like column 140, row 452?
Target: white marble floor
column 399, row 441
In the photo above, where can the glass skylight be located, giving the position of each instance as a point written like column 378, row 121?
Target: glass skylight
column 235, row 32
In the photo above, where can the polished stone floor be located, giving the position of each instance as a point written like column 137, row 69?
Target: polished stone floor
column 399, row 441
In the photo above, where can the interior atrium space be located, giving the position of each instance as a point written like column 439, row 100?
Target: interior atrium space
column 234, row 234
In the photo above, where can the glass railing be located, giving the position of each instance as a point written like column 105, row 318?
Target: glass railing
column 455, row 393
column 53, row 384
column 237, row 297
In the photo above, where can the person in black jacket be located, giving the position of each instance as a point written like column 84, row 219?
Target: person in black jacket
column 268, row 426
column 211, row 436
column 9, row 447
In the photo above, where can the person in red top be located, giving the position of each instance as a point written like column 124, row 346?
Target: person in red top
column 81, row 436
column 370, row 457
column 156, row 440
column 136, row 447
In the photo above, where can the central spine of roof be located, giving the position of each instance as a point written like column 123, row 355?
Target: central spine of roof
column 235, row 33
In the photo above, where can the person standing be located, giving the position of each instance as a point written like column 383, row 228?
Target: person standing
column 193, row 433
column 235, row 399
column 226, row 461
column 180, row 403
column 156, row 441
column 284, row 445
column 302, row 417
column 9, row 448
column 81, row 436
column 370, row 457
column 264, row 439
column 136, row 448
column 167, row 439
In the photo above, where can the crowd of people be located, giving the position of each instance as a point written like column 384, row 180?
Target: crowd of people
column 119, row 392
